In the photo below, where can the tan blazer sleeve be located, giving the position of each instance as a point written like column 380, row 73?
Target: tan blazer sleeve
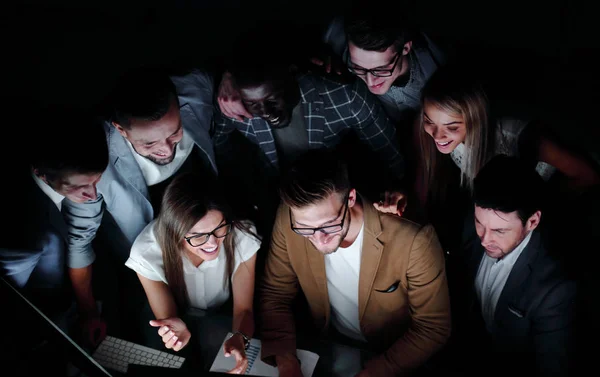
column 278, row 289
column 430, row 307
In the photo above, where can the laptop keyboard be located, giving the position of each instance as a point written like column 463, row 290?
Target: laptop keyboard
column 116, row 354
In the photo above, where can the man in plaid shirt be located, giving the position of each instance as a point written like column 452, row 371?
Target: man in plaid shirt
column 320, row 112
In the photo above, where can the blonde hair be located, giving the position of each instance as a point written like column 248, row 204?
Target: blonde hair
column 450, row 92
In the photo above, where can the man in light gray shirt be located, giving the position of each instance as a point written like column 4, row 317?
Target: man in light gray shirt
column 160, row 126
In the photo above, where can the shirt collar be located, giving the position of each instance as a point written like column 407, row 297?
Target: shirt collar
column 512, row 257
column 49, row 191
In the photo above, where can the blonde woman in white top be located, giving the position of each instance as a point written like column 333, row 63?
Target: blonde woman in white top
column 188, row 258
column 456, row 121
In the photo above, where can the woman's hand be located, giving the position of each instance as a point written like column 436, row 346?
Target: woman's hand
column 173, row 331
column 235, row 346
column 393, row 202
column 229, row 99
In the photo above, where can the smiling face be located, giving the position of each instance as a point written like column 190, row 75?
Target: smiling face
column 326, row 213
column 155, row 139
column 272, row 101
column 210, row 249
column 361, row 59
column 447, row 129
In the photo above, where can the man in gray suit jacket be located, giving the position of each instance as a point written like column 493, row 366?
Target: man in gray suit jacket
column 521, row 308
column 59, row 170
column 159, row 126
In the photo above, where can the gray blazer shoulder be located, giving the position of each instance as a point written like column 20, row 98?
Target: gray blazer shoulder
column 122, row 189
column 34, row 247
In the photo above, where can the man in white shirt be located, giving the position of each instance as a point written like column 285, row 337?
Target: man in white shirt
column 61, row 167
column 524, row 300
column 377, row 279
column 159, row 127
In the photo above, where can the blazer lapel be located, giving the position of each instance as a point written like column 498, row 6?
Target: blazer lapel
column 54, row 217
column 124, row 162
column 57, row 220
column 316, row 261
column 372, row 250
column 519, row 274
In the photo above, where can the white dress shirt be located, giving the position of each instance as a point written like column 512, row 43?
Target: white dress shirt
column 206, row 283
column 49, row 191
column 342, row 269
column 491, row 278
column 154, row 173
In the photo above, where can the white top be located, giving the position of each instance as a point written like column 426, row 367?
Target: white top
column 508, row 131
column 154, row 173
column 491, row 277
column 49, row 191
column 342, row 269
column 206, row 283
column 458, row 154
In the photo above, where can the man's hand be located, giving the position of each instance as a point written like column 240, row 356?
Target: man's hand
column 93, row 330
column 173, row 331
column 288, row 366
column 235, row 346
column 229, row 99
column 393, row 202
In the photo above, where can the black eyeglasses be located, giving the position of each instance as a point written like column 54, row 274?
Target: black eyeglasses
column 200, row 239
column 330, row 229
column 377, row 72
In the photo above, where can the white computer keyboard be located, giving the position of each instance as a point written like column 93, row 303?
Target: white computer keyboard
column 117, row 354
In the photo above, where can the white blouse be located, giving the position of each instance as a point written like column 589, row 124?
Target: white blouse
column 508, row 131
column 206, row 283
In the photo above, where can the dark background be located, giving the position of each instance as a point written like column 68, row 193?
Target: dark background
column 534, row 54
column 538, row 54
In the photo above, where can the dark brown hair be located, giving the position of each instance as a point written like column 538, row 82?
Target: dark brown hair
column 187, row 199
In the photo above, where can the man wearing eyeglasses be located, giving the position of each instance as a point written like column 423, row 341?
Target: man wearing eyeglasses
column 159, row 127
column 370, row 279
column 393, row 62
column 381, row 51
column 293, row 113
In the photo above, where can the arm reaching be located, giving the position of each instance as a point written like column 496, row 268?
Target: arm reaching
column 171, row 328
column 278, row 289
column 83, row 221
column 243, row 314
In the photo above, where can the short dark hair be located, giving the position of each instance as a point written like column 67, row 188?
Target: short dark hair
column 142, row 94
column 376, row 32
column 71, row 142
column 313, row 177
column 263, row 53
column 252, row 73
column 507, row 184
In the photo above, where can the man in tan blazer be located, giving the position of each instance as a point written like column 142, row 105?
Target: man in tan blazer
column 371, row 277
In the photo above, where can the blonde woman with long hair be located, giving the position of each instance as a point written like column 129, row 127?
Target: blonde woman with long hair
column 192, row 256
column 456, row 122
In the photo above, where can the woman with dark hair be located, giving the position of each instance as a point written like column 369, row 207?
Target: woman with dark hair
column 188, row 258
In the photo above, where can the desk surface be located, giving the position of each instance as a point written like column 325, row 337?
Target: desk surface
column 335, row 359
